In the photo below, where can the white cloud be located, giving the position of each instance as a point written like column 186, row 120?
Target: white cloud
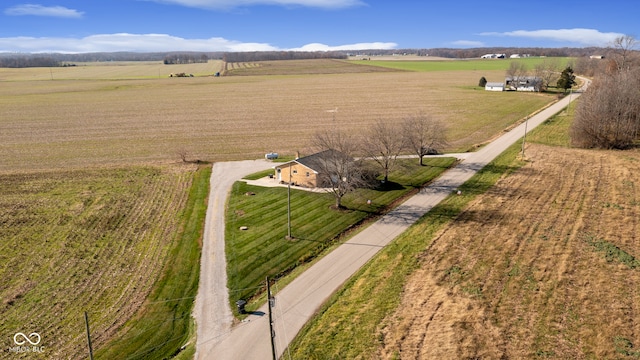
column 228, row 4
column 585, row 37
column 125, row 42
column 39, row 10
column 468, row 43
column 155, row 43
column 359, row 46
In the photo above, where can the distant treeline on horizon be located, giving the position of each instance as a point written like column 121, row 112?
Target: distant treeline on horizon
column 19, row 60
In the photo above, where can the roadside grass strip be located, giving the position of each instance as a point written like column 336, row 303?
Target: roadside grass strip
column 263, row 250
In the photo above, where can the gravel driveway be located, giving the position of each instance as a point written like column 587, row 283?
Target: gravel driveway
column 211, row 311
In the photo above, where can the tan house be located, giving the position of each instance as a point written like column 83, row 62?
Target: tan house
column 305, row 171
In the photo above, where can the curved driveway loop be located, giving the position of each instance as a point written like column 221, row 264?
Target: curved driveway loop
column 298, row 301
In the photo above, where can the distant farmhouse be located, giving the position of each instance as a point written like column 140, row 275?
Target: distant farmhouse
column 522, row 83
column 493, row 56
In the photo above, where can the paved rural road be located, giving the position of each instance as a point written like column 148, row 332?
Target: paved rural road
column 298, row 301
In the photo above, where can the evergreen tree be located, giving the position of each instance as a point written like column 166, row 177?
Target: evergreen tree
column 567, row 79
column 482, row 82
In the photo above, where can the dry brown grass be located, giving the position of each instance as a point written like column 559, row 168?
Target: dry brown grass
column 74, row 123
column 517, row 276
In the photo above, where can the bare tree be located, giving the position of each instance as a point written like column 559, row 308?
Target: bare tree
column 383, row 143
column 608, row 114
column 623, row 50
column 423, row 135
column 335, row 162
column 516, row 71
column 183, row 153
column 548, row 71
column 589, row 67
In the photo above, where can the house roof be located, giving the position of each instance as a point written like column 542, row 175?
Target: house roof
column 523, row 78
column 494, row 84
column 313, row 161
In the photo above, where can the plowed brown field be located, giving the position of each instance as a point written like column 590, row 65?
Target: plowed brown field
column 541, row 266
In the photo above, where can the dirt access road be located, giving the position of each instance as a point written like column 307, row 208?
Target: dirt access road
column 298, row 302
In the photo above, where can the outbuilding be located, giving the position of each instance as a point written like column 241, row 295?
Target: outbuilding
column 494, row 86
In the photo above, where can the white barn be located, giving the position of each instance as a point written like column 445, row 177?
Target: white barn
column 494, row 86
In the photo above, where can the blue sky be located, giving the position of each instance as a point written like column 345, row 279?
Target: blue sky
column 263, row 25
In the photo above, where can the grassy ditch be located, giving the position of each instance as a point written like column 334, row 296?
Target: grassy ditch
column 262, row 250
column 164, row 324
column 345, row 326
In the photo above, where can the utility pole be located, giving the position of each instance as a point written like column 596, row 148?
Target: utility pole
column 272, row 334
column 86, row 322
column 524, row 138
column 288, row 207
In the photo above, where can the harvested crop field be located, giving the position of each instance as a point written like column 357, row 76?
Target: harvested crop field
column 92, row 240
column 74, row 123
column 541, row 266
column 301, row 67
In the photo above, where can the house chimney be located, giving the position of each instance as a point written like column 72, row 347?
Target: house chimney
column 297, row 155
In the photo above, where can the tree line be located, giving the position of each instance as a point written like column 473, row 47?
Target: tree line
column 187, row 58
column 58, row 59
column 25, row 62
column 608, row 113
column 345, row 159
column 15, row 60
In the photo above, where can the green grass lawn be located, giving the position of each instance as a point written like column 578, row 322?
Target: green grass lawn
column 263, row 249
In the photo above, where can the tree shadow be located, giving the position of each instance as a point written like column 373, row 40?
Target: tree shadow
column 388, row 186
